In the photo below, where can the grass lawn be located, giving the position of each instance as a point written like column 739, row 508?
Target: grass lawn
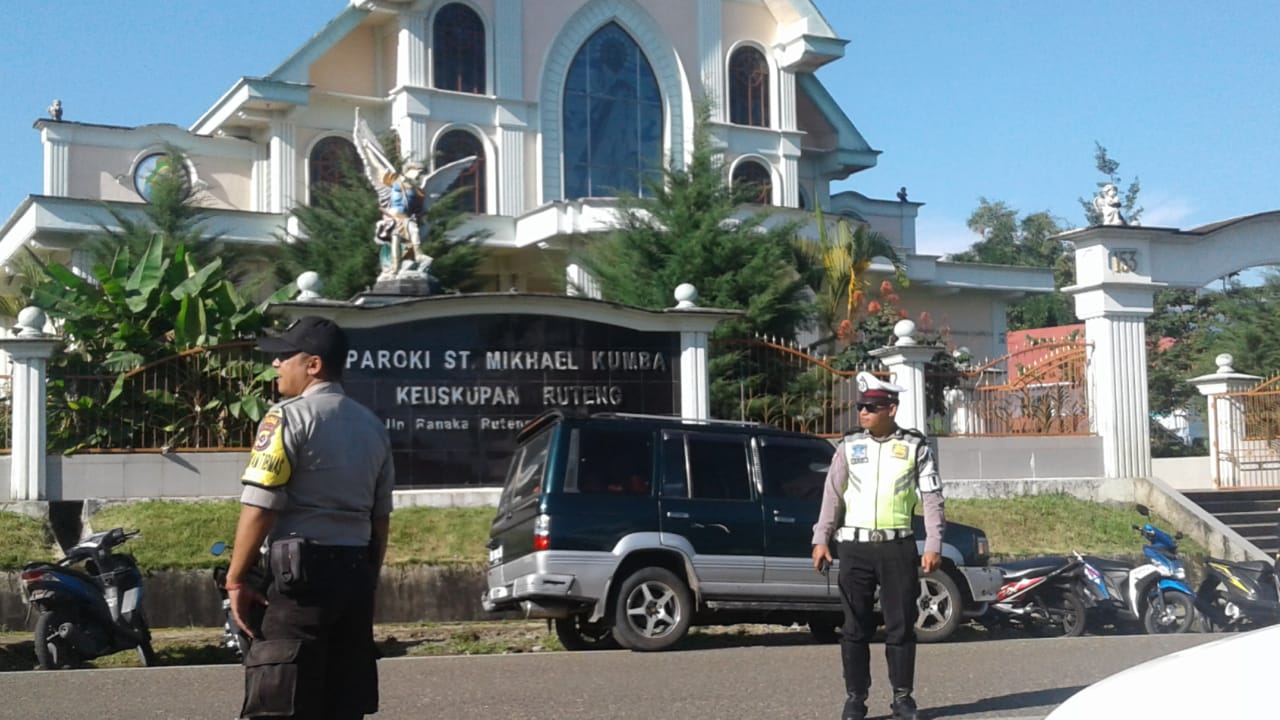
column 177, row 535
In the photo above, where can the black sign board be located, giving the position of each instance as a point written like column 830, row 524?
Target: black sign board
column 454, row 391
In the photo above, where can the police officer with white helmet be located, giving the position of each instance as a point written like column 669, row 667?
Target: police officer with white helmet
column 877, row 477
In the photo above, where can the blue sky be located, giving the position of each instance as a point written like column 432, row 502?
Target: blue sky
column 965, row 99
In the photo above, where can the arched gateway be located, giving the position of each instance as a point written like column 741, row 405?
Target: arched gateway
column 1119, row 269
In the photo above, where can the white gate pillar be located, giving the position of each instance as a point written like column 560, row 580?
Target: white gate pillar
column 695, row 336
column 1226, row 417
column 905, row 361
column 30, row 351
column 1114, row 295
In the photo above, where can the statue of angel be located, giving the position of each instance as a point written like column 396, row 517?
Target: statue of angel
column 404, row 198
column 1107, row 204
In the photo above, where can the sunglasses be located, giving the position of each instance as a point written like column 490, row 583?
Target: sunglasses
column 872, row 407
column 284, row 356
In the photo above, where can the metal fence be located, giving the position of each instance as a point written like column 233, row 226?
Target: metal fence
column 1040, row 390
column 1251, row 420
column 203, row 399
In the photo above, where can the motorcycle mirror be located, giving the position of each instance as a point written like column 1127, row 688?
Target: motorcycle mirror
column 218, row 548
column 1178, row 535
column 1142, row 510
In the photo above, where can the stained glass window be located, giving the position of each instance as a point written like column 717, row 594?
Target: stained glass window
column 612, row 118
column 458, row 49
column 455, row 145
column 748, row 88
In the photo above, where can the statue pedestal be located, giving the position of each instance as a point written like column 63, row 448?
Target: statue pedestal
column 408, row 285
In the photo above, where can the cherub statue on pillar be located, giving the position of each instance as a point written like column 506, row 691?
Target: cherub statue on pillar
column 1107, row 203
column 404, row 197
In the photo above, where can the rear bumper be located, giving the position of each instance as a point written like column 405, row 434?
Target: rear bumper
column 551, row 583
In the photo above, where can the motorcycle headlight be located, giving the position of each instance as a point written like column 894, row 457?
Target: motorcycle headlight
column 1180, row 572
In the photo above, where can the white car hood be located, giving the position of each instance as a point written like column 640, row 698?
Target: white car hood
column 1241, row 668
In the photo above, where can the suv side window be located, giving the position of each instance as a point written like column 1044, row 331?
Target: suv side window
column 609, row 460
column 718, row 467
column 794, row 469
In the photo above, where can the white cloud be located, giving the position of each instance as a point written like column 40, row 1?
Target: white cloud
column 1167, row 212
column 943, row 236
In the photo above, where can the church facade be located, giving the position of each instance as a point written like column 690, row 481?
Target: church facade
column 565, row 104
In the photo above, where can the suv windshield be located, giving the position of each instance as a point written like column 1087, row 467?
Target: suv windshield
column 528, row 465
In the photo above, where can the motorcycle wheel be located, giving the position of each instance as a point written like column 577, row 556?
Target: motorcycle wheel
column 1074, row 615
column 146, row 654
column 53, row 652
column 1175, row 614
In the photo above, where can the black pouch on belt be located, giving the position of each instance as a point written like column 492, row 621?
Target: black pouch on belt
column 288, row 566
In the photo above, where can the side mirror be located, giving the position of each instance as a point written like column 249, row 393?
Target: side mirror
column 1142, row 510
column 218, row 548
column 1178, row 535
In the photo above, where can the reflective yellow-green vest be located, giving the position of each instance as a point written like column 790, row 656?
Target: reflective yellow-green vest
column 880, row 492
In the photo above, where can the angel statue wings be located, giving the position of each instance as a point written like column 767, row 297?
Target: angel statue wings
column 404, row 197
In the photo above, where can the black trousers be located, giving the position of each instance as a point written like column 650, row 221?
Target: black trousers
column 315, row 657
column 893, row 567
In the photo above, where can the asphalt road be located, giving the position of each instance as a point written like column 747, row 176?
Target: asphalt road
column 1014, row 678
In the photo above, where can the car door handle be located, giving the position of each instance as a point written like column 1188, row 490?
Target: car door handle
column 787, row 519
column 678, row 515
column 718, row 526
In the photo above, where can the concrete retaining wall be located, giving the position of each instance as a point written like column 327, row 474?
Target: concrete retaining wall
column 188, row 598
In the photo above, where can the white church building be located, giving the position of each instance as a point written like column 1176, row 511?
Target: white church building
column 564, row 102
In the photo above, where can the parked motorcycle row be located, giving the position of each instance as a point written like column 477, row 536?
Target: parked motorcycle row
column 1069, row 595
column 95, row 611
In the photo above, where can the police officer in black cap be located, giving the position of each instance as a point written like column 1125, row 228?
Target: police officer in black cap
column 876, row 478
column 318, row 489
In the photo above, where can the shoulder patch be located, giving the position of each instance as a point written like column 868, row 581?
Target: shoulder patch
column 268, row 463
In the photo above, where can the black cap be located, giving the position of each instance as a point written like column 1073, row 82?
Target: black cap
column 312, row 335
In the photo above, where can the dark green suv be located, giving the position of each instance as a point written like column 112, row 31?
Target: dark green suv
column 631, row 528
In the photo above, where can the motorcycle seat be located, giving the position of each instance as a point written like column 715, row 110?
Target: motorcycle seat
column 1032, row 567
column 1255, row 566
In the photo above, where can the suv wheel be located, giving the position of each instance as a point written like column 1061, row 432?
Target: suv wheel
column 940, row 604
column 654, row 610
column 576, row 633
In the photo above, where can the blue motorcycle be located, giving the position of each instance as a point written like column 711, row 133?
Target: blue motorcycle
column 1155, row 593
column 92, row 612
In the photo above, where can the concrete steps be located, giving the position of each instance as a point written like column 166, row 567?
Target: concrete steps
column 1254, row 514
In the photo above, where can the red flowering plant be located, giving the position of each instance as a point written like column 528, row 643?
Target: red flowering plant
column 872, row 328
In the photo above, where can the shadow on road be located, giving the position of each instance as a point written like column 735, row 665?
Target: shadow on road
column 1012, row 701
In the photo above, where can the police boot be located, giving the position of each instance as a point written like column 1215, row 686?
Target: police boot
column 903, row 705
column 856, row 661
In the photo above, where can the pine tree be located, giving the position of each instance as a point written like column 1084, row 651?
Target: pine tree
column 687, row 231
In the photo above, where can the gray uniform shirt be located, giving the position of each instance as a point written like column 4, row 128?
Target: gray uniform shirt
column 929, row 485
column 323, row 462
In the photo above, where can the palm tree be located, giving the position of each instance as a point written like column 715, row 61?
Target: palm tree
column 846, row 258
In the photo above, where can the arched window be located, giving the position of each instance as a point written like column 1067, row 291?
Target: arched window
column 753, row 175
column 455, row 145
column 458, row 49
column 612, row 118
column 333, row 161
column 748, row 88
